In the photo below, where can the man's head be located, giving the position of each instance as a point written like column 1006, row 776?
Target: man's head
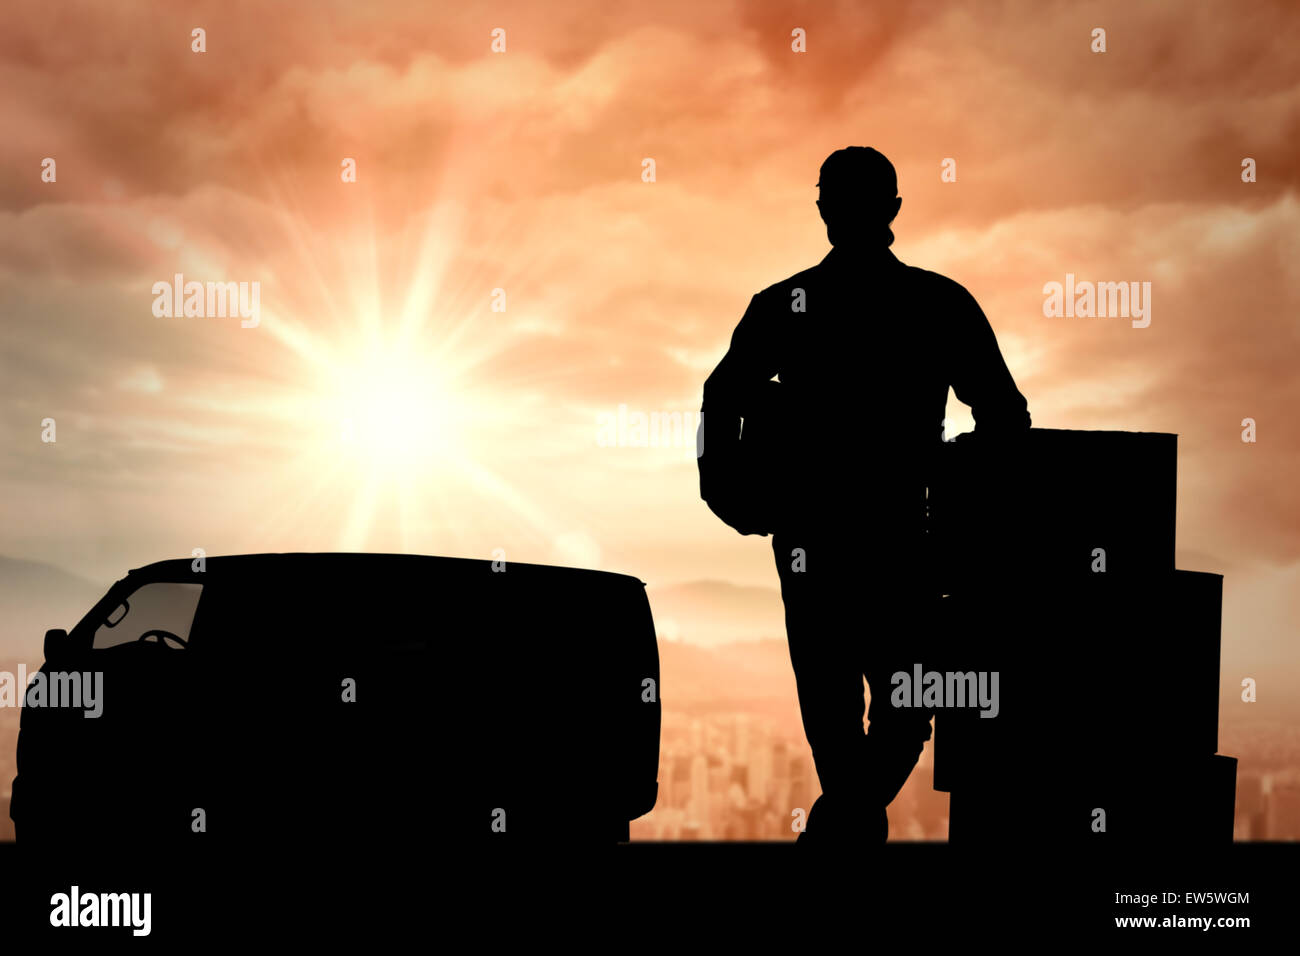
column 859, row 197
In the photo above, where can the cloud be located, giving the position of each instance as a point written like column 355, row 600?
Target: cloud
column 522, row 171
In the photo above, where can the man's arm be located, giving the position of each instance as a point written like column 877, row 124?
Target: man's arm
column 979, row 375
column 748, row 364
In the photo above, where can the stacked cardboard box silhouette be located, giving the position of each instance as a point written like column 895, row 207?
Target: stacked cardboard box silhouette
column 1108, row 680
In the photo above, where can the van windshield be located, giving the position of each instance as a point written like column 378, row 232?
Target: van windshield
column 161, row 611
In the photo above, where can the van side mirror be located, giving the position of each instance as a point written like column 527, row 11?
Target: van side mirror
column 56, row 644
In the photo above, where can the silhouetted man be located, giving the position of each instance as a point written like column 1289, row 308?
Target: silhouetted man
column 864, row 349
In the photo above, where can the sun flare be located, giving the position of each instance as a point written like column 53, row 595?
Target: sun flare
column 390, row 400
column 394, row 411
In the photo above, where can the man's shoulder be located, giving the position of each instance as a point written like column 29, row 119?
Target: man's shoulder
column 935, row 282
column 785, row 288
column 919, row 285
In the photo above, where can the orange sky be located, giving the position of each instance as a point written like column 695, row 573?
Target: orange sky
column 522, row 171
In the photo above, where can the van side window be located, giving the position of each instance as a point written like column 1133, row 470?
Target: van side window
column 162, row 611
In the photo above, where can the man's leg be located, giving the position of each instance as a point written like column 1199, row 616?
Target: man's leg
column 903, row 616
column 826, row 625
column 895, row 736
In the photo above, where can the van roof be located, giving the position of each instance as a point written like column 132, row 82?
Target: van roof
column 344, row 563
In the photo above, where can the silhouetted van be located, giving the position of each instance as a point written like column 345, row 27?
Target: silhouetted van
column 346, row 700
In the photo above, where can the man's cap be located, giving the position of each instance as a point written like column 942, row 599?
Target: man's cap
column 860, row 170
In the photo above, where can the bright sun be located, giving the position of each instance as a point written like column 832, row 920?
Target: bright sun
column 393, row 411
column 385, row 406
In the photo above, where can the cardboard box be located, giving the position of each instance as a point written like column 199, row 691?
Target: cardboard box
column 1086, row 667
column 1047, row 505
